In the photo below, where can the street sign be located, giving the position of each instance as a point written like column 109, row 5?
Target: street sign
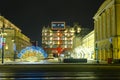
column 110, row 40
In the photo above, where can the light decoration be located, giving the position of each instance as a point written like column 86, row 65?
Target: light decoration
column 59, row 49
column 82, row 52
column 32, row 52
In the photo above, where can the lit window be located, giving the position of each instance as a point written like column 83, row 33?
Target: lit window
column 65, row 46
column 58, row 42
column 51, row 38
column 58, row 38
column 65, row 38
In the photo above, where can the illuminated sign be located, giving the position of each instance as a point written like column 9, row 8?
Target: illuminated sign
column 58, row 25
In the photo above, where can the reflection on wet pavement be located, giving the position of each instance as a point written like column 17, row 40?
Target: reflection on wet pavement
column 59, row 75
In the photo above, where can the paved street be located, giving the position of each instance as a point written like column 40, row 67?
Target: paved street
column 60, row 71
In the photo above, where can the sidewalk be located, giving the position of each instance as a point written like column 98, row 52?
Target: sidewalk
column 54, row 61
column 88, row 62
column 95, row 62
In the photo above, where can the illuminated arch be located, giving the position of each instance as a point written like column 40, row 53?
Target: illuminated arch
column 31, row 51
column 83, row 52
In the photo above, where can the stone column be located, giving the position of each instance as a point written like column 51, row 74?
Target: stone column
column 103, row 25
column 96, row 29
column 112, row 21
column 108, row 23
column 100, row 27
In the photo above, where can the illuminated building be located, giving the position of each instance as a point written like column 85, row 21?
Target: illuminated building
column 107, row 30
column 12, row 39
column 57, row 38
column 88, row 44
column 86, row 47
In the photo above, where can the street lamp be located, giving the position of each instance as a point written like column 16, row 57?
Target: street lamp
column 14, row 48
column 2, row 33
column 2, row 47
column 96, row 49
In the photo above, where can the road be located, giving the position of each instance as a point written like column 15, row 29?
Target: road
column 60, row 71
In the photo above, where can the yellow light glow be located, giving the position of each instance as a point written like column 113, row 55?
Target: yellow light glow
column 32, row 59
column 51, row 38
column 58, row 34
column 6, row 47
column 58, row 42
column 12, row 40
column 58, row 38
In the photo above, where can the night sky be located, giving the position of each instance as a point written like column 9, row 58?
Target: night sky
column 31, row 15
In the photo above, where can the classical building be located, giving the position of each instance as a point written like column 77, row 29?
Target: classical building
column 58, row 38
column 86, row 47
column 107, row 30
column 88, row 40
column 88, row 44
column 12, row 41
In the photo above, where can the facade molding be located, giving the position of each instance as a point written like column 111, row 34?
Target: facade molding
column 107, row 4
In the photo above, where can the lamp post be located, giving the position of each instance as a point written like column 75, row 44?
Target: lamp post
column 111, row 47
column 96, row 49
column 2, row 47
column 14, row 48
column 2, row 33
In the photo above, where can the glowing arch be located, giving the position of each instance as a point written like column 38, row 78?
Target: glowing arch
column 32, row 51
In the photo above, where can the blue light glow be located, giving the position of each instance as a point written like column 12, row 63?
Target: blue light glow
column 33, row 49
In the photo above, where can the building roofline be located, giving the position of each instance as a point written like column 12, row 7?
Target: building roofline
column 12, row 25
column 105, row 5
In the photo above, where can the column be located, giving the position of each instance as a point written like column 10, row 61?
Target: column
column 118, row 18
column 112, row 21
column 100, row 27
column 108, row 23
column 96, row 32
column 103, row 25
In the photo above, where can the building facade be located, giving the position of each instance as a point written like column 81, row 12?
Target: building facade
column 86, row 47
column 12, row 41
column 107, row 30
column 56, row 41
column 88, row 44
